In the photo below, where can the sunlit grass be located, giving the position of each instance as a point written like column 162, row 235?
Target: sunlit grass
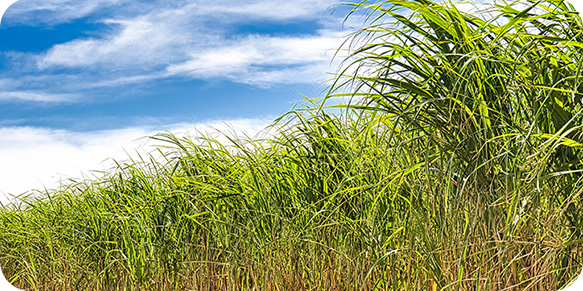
column 453, row 171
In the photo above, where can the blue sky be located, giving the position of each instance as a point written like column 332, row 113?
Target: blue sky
column 90, row 65
column 81, row 80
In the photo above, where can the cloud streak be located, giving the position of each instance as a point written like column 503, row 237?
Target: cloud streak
column 37, row 97
column 270, row 9
column 53, row 12
column 261, row 61
column 191, row 40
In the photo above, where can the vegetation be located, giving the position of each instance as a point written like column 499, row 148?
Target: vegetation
column 455, row 166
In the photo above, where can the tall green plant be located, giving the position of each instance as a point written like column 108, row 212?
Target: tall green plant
column 498, row 91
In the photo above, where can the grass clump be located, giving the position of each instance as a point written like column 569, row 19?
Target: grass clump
column 455, row 167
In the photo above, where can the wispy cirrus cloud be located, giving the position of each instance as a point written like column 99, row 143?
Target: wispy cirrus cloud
column 260, row 60
column 267, row 9
column 245, row 60
column 52, row 12
column 137, row 44
column 36, row 97
column 180, row 39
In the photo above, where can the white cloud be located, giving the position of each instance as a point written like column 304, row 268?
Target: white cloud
column 134, row 44
column 35, row 158
column 180, row 42
column 123, row 80
column 54, row 11
column 36, row 96
column 264, row 60
column 267, row 9
column 147, row 42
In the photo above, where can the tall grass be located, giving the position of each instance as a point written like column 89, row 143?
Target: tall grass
column 457, row 167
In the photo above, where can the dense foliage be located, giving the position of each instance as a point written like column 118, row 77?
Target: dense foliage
column 455, row 166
